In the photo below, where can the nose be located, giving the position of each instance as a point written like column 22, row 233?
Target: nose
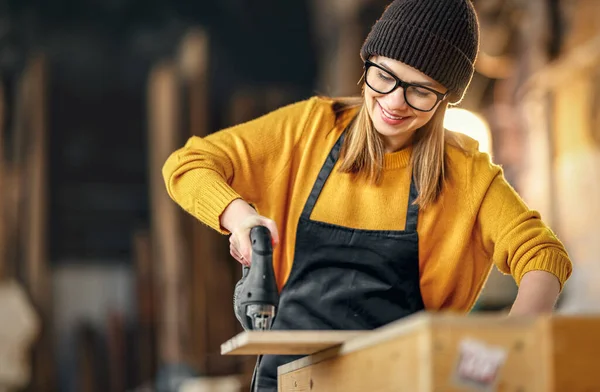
column 395, row 100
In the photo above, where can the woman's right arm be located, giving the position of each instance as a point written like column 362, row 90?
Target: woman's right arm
column 239, row 163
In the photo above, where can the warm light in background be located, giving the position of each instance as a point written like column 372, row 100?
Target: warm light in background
column 470, row 124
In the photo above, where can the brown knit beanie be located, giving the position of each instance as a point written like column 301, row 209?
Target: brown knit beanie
column 437, row 37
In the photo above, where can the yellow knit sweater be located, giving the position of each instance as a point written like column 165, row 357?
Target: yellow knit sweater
column 272, row 162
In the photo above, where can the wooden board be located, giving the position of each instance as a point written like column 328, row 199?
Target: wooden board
column 572, row 345
column 423, row 353
column 285, row 342
column 408, row 326
column 145, row 335
column 34, row 245
column 170, row 257
column 3, row 198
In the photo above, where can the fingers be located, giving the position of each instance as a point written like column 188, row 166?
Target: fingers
column 237, row 256
column 240, row 245
column 272, row 226
column 240, row 248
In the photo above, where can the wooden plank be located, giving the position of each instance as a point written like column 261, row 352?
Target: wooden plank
column 376, row 368
column 170, row 255
column 193, row 69
column 35, row 251
column 91, row 376
column 285, row 342
column 117, row 353
column 422, row 353
column 35, row 215
column 3, row 198
column 573, row 346
column 388, row 333
column 146, row 308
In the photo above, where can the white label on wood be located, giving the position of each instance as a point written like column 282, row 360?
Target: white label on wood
column 478, row 365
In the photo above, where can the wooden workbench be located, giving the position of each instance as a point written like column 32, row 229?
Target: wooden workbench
column 428, row 352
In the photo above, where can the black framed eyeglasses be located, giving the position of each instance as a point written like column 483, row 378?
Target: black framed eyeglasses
column 418, row 97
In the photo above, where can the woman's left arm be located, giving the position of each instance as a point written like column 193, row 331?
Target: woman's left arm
column 537, row 293
column 522, row 245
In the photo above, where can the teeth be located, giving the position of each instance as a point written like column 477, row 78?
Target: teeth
column 388, row 115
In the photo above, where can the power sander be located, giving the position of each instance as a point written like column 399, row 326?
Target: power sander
column 255, row 297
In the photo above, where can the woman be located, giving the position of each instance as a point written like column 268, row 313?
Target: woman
column 376, row 211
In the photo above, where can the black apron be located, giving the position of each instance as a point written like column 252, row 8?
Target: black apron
column 345, row 279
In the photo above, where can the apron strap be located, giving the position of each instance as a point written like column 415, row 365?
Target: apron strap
column 412, row 211
column 322, row 178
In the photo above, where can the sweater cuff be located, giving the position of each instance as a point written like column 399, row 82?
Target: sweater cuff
column 554, row 262
column 220, row 195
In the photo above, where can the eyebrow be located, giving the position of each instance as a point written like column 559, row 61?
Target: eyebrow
column 422, row 83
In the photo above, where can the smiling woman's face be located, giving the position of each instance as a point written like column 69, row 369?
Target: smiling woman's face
column 392, row 117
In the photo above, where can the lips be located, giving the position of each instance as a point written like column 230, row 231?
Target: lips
column 389, row 117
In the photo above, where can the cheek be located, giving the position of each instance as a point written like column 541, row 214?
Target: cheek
column 422, row 118
column 369, row 102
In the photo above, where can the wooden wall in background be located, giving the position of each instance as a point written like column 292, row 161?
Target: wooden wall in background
column 170, row 255
column 576, row 96
column 564, row 160
column 575, row 90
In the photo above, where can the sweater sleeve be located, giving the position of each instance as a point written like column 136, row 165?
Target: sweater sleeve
column 207, row 174
column 516, row 237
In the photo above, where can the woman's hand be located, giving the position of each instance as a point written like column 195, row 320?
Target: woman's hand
column 239, row 218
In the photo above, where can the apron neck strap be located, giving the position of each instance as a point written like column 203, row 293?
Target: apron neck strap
column 322, row 177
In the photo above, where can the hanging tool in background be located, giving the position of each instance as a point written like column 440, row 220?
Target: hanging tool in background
column 256, row 298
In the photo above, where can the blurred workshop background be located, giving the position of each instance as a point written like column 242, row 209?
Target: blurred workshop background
column 106, row 285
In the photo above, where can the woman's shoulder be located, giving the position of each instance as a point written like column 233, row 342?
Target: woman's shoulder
column 322, row 114
column 336, row 108
column 317, row 108
column 465, row 158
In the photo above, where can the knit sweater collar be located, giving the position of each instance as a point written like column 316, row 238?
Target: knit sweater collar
column 397, row 159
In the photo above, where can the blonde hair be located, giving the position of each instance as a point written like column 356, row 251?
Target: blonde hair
column 363, row 150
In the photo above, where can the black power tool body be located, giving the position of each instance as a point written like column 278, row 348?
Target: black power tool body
column 256, row 297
